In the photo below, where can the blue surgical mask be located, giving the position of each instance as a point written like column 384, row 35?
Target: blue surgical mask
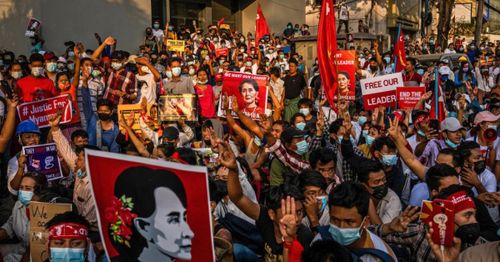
column 67, row 254
column 176, row 71
column 450, row 144
column 362, row 120
column 24, row 196
column 389, row 160
column 324, row 202
column 420, row 71
column 305, row 111
column 300, row 126
column 365, row 132
column 421, row 133
column 453, row 114
column 302, row 147
column 80, row 173
column 51, row 67
column 345, row 236
column 168, row 74
column 387, row 59
column 369, row 140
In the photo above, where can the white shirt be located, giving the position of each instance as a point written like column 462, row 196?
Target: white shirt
column 148, row 88
column 389, row 207
column 278, row 88
column 159, row 34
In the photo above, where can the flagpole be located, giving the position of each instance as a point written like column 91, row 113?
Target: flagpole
column 436, row 95
column 395, row 56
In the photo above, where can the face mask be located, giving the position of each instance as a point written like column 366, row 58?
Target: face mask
column 202, row 82
column 420, row 71
column 168, row 74
column 380, row 192
column 466, row 69
column 267, row 64
column 387, row 60
column 282, row 56
column 305, row 111
column 191, row 71
column 80, row 173
column 96, row 73
column 373, row 68
column 16, row 75
column 104, row 117
column 369, row 139
column 71, row 53
column 156, row 26
column 221, row 62
column 362, row 120
column 242, row 39
column 67, row 254
column 170, row 28
column 389, row 160
column 345, row 236
column 71, row 66
column 444, row 77
column 24, row 196
column 51, row 67
column 145, row 69
column 116, row 65
column 37, row 71
column 492, row 127
column 421, row 133
column 176, row 71
column 468, row 233
column 365, row 132
column 300, row 126
column 302, row 147
column 479, row 167
column 451, row 144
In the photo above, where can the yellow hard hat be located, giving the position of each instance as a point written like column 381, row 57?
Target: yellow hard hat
column 462, row 59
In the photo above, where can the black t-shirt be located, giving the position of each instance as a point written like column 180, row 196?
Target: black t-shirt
column 294, row 85
column 272, row 250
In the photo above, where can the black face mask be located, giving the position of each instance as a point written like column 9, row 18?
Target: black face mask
column 468, row 233
column 479, row 167
column 104, row 117
column 207, row 142
column 374, row 68
column 169, row 149
column 380, row 192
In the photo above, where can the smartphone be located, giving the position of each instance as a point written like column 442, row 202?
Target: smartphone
column 442, row 222
column 434, row 124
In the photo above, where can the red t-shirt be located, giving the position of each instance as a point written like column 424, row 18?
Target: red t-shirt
column 206, row 99
column 30, row 88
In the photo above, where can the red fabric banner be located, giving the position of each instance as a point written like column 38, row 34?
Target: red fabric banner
column 327, row 47
column 261, row 27
column 400, row 53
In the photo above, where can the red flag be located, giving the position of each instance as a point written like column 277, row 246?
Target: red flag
column 440, row 104
column 261, row 27
column 220, row 22
column 400, row 52
column 327, row 47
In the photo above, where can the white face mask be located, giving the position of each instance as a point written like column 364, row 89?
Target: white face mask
column 116, row 65
column 191, row 71
column 16, row 75
column 37, row 71
column 145, row 69
column 176, row 71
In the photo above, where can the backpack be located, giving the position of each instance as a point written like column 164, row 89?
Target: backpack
column 357, row 253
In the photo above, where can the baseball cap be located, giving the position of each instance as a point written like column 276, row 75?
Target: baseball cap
column 444, row 61
column 451, row 124
column 170, row 133
column 61, row 60
column 49, row 56
column 485, row 116
column 291, row 132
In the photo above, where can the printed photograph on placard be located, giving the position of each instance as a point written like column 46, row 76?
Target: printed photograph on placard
column 178, row 107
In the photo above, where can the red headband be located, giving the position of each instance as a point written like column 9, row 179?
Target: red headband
column 461, row 201
column 178, row 158
column 68, row 230
column 421, row 118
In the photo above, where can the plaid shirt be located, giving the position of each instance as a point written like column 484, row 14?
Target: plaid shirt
column 123, row 81
column 291, row 160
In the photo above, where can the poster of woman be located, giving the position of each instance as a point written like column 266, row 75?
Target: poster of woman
column 151, row 210
column 346, row 74
column 250, row 91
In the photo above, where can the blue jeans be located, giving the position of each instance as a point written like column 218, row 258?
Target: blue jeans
column 243, row 254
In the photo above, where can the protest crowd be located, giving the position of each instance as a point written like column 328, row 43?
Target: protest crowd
column 295, row 172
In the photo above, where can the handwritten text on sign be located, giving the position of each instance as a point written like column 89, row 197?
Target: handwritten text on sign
column 381, row 90
column 409, row 96
column 39, row 111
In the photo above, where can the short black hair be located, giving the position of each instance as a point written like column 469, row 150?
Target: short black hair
column 382, row 141
column 40, row 181
column 105, row 102
column 457, row 158
column 349, row 195
column 80, row 149
column 296, row 115
column 452, row 189
column 79, row 133
column 305, row 101
column 174, row 59
column 466, row 147
column 436, row 173
column 323, row 155
column 36, row 57
column 293, row 61
column 326, row 251
column 207, row 124
column 67, row 217
column 275, row 71
column 312, row 178
column 336, row 125
column 188, row 155
column 411, row 60
column 290, row 187
column 364, row 169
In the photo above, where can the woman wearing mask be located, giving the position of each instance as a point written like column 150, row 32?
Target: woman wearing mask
column 464, row 77
column 17, row 226
column 9, row 84
column 192, row 74
column 205, row 93
column 150, row 40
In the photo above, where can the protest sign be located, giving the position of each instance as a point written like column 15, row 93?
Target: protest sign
column 33, row 27
column 178, row 107
column 176, row 45
column 43, row 159
column 127, row 110
column 166, row 201
column 221, row 52
column 409, row 96
column 39, row 111
column 250, row 91
column 39, row 214
column 346, row 74
column 380, row 90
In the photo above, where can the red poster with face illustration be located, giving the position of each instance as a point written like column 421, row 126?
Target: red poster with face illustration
column 346, row 74
column 249, row 90
column 151, row 210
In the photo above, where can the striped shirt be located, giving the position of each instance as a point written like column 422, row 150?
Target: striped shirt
column 94, row 91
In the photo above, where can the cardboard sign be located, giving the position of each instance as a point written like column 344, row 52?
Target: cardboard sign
column 127, row 110
column 409, row 96
column 39, row 111
column 40, row 213
column 178, row 107
column 43, row 159
column 380, row 90
column 176, row 45
column 221, row 52
column 346, row 74
column 33, row 27
column 173, row 197
column 250, row 91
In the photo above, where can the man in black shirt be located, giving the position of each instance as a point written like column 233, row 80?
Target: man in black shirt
column 294, row 84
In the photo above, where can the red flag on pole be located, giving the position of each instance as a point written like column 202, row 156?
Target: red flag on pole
column 327, row 47
column 400, row 52
column 220, row 22
column 261, row 27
